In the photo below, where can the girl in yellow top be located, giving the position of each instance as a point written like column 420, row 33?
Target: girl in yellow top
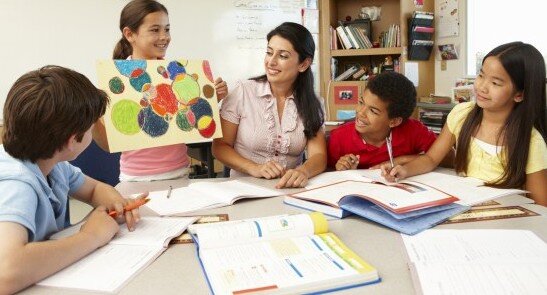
column 500, row 138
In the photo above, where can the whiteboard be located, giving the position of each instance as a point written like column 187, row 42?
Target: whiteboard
column 231, row 34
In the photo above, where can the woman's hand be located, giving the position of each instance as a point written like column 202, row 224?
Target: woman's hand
column 297, row 177
column 268, row 170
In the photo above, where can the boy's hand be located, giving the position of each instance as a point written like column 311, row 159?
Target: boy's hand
column 297, row 177
column 100, row 226
column 347, row 162
column 221, row 89
column 393, row 174
column 130, row 217
column 268, row 170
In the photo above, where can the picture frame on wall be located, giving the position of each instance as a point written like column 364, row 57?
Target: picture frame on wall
column 346, row 94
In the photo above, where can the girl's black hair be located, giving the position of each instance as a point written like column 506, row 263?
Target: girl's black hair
column 526, row 67
column 308, row 105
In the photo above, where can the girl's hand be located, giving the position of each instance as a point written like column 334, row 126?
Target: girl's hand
column 347, row 162
column 100, row 226
column 268, row 170
column 294, row 178
column 395, row 173
column 221, row 89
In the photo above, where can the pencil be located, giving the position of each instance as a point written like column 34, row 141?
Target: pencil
column 390, row 150
column 169, row 191
column 129, row 207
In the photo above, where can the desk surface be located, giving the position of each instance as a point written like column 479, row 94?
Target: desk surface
column 177, row 270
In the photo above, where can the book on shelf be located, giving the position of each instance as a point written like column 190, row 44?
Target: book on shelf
column 409, row 206
column 110, row 267
column 347, row 73
column 344, row 39
column 477, row 261
column 284, row 254
column 198, row 196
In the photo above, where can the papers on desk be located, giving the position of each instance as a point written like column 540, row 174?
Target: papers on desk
column 197, row 196
column 477, row 262
column 111, row 266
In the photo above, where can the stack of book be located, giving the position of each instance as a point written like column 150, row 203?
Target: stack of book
column 434, row 115
column 420, row 35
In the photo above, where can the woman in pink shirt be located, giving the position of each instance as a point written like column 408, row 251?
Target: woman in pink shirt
column 269, row 121
column 145, row 35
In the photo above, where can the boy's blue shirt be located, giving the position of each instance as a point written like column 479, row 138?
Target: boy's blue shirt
column 27, row 199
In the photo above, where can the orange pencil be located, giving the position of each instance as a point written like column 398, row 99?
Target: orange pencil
column 129, row 207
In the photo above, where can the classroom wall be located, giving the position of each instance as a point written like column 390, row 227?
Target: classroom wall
column 76, row 33
column 445, row 79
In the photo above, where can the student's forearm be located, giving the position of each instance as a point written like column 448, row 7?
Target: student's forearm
column 97, row 193
column 227, row 155
column 35, row 261
column 422, row 164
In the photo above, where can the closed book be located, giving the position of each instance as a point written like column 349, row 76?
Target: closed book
column 344, row 37
column 345, row 75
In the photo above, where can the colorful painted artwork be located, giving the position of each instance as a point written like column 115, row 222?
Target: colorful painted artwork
column 158, row 102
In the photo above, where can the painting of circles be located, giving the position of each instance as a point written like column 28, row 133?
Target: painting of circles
column 158, row 102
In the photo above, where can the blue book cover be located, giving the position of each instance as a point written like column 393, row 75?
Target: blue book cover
column 410, row 225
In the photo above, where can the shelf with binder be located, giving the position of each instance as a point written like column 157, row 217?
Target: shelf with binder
column 420, row 35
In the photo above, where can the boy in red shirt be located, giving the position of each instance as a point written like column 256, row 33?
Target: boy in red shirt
column 384, row 111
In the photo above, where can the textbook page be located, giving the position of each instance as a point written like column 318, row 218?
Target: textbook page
column 469, row 190
column 204, row 195
column 266, row 228
column 326, row 178
column 399, row 198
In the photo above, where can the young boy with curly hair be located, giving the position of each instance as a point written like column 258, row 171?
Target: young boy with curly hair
column 383, row 112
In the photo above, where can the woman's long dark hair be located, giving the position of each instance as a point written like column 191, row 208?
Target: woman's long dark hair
column 307, row 103
column 132, row 17
column 526, row 67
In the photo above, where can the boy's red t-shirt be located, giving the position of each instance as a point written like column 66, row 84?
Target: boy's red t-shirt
column 409, row 138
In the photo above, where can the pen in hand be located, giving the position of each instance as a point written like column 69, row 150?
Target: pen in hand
column 390, row 152
column 136, row 204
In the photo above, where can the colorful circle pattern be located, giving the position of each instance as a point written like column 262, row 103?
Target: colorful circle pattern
column 180, row 100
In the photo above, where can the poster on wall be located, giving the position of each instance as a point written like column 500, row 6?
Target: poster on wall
column 449, row 21
column 158, row 102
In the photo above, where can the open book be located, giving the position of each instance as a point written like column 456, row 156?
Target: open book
column 407, row 206
column 111, row 266
column 197, row 196
column 482, row 261
column 470, row 191
column 286, row 254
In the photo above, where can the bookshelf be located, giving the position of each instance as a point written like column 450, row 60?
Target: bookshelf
column 393, row 12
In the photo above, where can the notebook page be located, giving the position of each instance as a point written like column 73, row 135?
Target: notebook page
column 107, row 269
column 228, row 191
column 182, row 201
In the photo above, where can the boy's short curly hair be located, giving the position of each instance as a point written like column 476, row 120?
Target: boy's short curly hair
column 45, row 107
column 397, row 91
